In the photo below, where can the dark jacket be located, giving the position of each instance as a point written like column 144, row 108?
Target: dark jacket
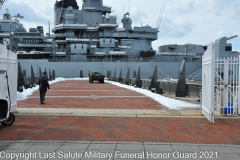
column 43, row 84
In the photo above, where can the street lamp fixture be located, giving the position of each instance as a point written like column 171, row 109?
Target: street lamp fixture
column 10, row 28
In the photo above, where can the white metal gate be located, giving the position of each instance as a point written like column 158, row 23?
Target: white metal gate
column 227, row 85
column 220, row 84
column 208, row 65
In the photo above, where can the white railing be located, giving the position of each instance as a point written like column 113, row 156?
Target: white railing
column 195, row 74
column 220, row 84
column 227, row 85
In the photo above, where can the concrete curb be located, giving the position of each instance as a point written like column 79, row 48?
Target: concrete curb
column 115, row 112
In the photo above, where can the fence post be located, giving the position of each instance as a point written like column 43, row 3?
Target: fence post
column 238, row 87
column 225, row 80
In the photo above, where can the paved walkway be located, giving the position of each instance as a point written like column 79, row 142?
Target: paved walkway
column 84, row 95
column 80, row 117
column 87, row 150
column 128, row 129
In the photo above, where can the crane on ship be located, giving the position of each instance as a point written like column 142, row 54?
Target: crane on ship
column 2, row 2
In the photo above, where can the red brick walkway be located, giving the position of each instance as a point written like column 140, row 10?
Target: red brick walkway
column 174, row 130
column 71, row 96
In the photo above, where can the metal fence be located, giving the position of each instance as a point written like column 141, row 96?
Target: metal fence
column 227, row 78
column 220, row 84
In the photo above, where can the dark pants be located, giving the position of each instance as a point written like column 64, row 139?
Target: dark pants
column 42, row 96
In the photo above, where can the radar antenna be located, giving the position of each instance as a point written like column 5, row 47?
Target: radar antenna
column 2, row 2
column 160, row 18
column 129, row 7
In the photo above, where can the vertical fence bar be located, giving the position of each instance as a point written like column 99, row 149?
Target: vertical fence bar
column 232, row 83
column 217, row 84
column 232, row 86
column 228, row 87
column 235, row 85
column 220, row 85
column 233, row 93
column 238, row 85
column 217, row 87
column 225, row 79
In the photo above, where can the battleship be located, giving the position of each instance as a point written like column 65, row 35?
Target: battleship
column 89, row 39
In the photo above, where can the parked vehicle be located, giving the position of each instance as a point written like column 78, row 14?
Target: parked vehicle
column 6, row 117
column 96, row 76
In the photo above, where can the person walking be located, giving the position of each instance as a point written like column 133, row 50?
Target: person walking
column 43, row 86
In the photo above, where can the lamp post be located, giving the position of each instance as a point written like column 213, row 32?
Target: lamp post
column 10, row 28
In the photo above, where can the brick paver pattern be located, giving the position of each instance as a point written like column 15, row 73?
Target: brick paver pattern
column 130, row 129
column 71, row 93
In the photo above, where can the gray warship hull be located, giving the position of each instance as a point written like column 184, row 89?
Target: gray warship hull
column 72, row 69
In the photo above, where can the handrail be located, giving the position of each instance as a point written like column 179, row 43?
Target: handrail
column 161, row 71
column 195, row 74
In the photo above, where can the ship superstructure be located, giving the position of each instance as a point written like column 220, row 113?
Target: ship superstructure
column 88, row 37
column 24, row 42
column 92, row 33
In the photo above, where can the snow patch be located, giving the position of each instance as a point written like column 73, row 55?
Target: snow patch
column 167, row 102
column 170, row 103
column 27, row 92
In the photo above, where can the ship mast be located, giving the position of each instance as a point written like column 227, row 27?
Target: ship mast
column 2, row 2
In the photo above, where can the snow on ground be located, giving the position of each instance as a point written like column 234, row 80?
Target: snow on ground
column 27, row 92
column 81, row 79
column 167, row 102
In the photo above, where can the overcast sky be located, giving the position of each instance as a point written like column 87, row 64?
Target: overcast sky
column 185, row 21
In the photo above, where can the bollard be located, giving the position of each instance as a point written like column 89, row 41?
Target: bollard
column 81, row 73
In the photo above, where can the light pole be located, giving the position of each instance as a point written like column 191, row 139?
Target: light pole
column 10, row 28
